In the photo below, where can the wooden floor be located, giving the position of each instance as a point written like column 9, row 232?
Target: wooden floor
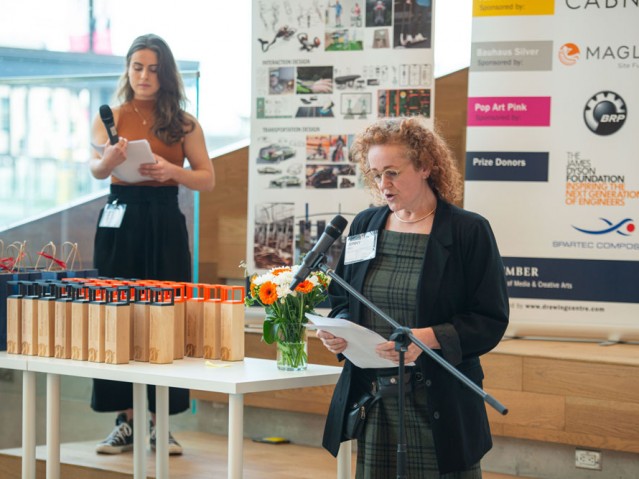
column 204, row 457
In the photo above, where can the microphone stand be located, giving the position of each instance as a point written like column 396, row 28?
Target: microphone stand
column 403, row 336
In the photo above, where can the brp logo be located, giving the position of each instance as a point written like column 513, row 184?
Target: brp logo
column 605, row 113
column 569, row 54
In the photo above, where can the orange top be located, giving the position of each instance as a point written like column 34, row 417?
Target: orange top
column 136, row 125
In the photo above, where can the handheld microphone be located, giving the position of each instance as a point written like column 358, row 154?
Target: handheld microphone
column 311, row 260
column 107, row 118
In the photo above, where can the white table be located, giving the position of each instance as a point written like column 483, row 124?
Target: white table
column 232, row 378
column 19, row 363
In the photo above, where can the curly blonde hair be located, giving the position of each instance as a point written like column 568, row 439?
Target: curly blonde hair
column 424, row 148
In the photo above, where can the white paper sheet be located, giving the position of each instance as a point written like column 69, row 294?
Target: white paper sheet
column 138, row 152
column 361, row 341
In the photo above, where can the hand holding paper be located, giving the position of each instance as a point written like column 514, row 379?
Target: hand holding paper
column 138, row 152
column 361, row 341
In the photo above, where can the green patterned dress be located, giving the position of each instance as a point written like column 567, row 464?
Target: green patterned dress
column 391, row 284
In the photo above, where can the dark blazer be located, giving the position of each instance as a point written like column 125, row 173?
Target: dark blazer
column 462, row 296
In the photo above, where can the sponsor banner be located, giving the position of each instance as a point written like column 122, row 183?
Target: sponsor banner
column 506, row 166
column 572, row 279
column 509, row 111
column 489, row 8
column 575, row 223
column 511, row 56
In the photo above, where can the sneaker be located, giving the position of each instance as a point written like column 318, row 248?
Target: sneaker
column 121, row 438
column 175, row 448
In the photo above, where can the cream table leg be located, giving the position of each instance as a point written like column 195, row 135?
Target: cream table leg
column 162, row 432
column 28, row 424
column 236, row 435
column 139, row 431
column 53, row 426
column 344, row 460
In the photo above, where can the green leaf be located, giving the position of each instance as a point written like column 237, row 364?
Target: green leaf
column 268, row 331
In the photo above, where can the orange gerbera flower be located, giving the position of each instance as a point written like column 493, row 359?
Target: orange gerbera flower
column 277, row 271
column 268, row 293
column 304, row 287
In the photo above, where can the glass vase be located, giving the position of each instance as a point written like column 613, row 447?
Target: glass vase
column 293, row 355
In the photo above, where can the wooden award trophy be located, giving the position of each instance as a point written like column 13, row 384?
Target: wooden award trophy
column 80, row 322
column 194, row 336
column 15, row 294
column 179, row 317
column 141, row 319
column 30, row 319
column 62, row 321
column 97, row 296
column 117, row 325
column 212, row 319
column 232, row 309
column 46, row 319
column 161, row 330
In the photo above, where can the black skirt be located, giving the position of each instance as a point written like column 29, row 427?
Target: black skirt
column 151, row 243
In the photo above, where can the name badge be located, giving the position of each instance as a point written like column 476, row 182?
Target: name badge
column 112, row 215
column 360, row 247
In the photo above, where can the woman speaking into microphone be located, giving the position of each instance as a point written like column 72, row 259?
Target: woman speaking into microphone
column 434, row 268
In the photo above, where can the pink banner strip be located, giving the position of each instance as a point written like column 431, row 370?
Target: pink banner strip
column 509, row 111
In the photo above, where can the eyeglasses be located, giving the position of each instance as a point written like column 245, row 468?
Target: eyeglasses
column 389, row 174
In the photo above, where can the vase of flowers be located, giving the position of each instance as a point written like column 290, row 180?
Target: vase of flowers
column 292, row 353
column 285, row 321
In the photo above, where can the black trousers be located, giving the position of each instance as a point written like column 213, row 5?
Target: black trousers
column 151, row 243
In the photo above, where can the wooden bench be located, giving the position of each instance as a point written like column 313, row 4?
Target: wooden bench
column 575, row 393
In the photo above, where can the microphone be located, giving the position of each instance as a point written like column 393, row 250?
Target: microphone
column 311, row 260
column 107, row 118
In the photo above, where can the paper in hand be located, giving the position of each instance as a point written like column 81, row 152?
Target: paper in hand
column 361, row 341
column 138, row 152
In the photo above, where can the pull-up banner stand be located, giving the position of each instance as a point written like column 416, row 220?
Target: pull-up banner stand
column 552, row 141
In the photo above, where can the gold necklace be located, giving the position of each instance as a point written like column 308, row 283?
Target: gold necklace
column 414, row 221
column 135, row 108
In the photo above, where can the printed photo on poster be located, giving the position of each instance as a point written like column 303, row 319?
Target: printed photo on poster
column 356, row 105
column 317, row 147
column 377, row 38
column 331, row 176
column 344, row 39
column 310, row 229
column 395, row 103
column 273, row 240
column 413, row 24
column 275, row 153
column 273, row 107
column 314, row 80
column 281, row 81
column 379, row 13
column 323, row 148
